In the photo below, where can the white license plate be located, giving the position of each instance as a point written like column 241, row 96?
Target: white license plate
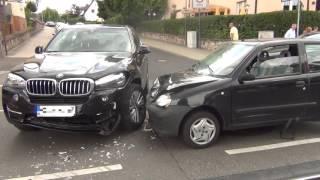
column 56, row 111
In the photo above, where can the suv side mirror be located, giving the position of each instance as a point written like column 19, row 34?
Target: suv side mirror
column 246, row 77
column 39, row 50
column 143, row 49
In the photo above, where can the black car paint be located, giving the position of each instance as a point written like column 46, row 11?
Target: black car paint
column 91, row 110
column 239, row 105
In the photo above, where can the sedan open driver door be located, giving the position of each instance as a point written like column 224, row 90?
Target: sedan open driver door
column 278, row 91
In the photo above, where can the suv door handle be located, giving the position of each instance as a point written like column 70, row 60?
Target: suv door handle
column 300, row 83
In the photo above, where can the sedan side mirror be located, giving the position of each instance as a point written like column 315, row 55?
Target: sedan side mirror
column 246, row 77
column 39, row 50
column 144, row 49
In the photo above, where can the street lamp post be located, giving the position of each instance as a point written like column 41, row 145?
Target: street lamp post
column 256, row 7
column 298, row 19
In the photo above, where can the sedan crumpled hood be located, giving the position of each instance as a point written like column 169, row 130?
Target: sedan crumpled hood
column 79, row 63
column 184, row 78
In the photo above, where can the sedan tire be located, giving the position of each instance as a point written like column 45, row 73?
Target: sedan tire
column 200, row 130
column 133, row 107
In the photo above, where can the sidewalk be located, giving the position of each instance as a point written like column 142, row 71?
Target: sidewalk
column 196, row 54
column 26, row 49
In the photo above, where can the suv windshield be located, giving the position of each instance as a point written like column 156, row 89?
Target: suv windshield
column 91, row 40
column 224, row 60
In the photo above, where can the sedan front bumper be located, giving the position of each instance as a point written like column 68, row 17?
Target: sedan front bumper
column 167, row 121
column 93, row 112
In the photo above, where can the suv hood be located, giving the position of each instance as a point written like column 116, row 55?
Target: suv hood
column 77, row 63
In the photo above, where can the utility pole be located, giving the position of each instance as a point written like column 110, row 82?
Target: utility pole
column 4, row 28
column 308, row 6
column 298, row 19
column 185, row 23
column 199, row 11
column 256, row 7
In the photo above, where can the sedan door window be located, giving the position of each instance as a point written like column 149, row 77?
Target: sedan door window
column 313, row 55
column 276, row 61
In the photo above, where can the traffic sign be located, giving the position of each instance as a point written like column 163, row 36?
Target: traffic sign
column 200, row 4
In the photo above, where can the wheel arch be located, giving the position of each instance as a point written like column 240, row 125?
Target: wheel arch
column 206, row 108
column 137, row 81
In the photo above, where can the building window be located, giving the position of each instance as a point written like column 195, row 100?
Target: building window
column 286, row 8
column 290, row 5
column 243, row 7
column 318, row 5
column 92, row 10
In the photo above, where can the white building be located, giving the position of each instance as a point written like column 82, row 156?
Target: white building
column 91, row 12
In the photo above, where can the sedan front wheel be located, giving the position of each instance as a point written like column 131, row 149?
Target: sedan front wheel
column 201, row 129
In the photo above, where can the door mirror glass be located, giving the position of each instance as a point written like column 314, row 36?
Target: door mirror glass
column 39, row 50
column 246, row 77
column 144, row 50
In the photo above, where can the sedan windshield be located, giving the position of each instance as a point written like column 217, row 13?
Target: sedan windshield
column 91, row 40
column 224, row 60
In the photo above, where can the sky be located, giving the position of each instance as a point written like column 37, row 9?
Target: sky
column 60, row 5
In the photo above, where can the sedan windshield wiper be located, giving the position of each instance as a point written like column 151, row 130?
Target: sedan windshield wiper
column 195, row 66
column 211, row 70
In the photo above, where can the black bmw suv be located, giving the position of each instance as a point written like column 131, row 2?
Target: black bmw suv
column 88, row 78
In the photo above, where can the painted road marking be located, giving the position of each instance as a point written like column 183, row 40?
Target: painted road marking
column 1, row 85
column 162, row 60
column 272, row 146
column 308, row 177
column 1, row 110
column 67, row 174
column 3, row 72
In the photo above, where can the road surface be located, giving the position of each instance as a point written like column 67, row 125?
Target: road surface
column 142, row 155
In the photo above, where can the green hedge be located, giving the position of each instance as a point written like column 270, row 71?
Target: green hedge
column 216, row 27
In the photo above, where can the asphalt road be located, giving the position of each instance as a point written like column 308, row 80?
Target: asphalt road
column 142, row 155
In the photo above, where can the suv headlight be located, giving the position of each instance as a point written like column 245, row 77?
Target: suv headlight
column 15, row 81
column 111, row 81
column 164, row 100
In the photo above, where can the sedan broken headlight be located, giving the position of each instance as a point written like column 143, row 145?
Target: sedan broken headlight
column 15, row 81
column 164, row 100
column 111, row 81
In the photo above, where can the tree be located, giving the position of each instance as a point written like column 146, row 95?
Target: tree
column 70, row 18
column 50, row 15
column 130, row 11
column 31, row 6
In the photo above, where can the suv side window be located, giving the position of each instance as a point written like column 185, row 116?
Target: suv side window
column 313, row 55
column 275, row 61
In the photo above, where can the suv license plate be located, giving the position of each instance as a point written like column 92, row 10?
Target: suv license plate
column 55, row 111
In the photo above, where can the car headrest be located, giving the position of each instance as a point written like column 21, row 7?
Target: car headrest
column 285, row 53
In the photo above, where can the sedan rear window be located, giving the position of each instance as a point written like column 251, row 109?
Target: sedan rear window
column 91, row 40
column 313, row 55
